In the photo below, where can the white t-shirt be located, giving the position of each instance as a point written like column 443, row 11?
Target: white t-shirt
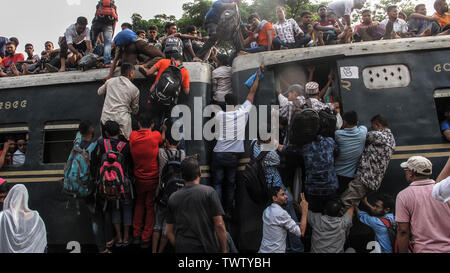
column 400, row 26
column 72, row 37
column 232, row 129
column 341, row 8
column 221, row 78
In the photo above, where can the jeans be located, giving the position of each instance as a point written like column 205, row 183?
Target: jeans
column 123, row 214
column 212, row 29
column 107, row 30
column 144, row 213
column 101, row 224
column 224, row 167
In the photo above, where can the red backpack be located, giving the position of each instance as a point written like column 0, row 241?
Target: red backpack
column 106, row 11
column 113, row 183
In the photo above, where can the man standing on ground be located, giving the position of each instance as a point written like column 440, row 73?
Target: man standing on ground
column 144, row 145
column 277, row 223
column 230, row 143
column 76, row 39
column 122, row 100
column 194, row 222
column 418, row 214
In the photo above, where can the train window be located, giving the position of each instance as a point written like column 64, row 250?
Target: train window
column 17, row 137
column 442, row 101
column 386, row 76
column 58, row 141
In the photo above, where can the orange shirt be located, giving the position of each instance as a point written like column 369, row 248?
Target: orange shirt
column 164, row 64
column 443, row 20
column 262, row 39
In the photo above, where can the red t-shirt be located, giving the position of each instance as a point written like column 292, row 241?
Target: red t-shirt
column 329, row 22
column 144, row 145
column 164, row 64
column 7, row 61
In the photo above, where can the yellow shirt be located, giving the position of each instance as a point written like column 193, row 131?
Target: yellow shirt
column 443, row 20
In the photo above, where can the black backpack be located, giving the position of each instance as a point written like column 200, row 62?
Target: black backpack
column 170, row 178
column 255, row 179
column 304, row 124
column 173, row 45
column 228, row 24
column 327, row 122
column 168, row 86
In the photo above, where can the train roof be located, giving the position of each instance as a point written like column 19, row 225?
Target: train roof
column 252, row 61
column 198, row 72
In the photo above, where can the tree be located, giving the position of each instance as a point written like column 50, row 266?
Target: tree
column 159, row 20
column 379, row 8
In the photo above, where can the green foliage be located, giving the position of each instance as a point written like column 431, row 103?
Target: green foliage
column 379, row 8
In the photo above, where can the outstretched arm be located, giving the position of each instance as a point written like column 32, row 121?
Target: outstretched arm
column 254, row 88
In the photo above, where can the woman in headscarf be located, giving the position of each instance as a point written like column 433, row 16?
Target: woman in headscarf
column 21, row 229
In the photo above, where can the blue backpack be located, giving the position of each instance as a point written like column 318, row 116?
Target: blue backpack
column 77, row 177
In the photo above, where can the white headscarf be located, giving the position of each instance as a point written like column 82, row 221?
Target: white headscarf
column 21, row 229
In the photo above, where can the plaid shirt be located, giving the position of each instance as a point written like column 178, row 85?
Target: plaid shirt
column 287, row 31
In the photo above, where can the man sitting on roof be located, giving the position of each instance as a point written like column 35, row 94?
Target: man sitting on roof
column 420, row 24
column 327, row 28
column 10, row 60
column 368, row 30
column 395, row 27
column 441, row 8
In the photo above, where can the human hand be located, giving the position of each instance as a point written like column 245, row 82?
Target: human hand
column 260, row 70
column 331, row 76
column 311, row 69
column 304, row 204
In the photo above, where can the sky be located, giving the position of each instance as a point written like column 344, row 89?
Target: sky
column 46, row 20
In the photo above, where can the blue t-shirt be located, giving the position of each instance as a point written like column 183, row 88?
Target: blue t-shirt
column 351, row 146
column 380, row 229
column 125, row 37
column 216, row 10
column 444, row 126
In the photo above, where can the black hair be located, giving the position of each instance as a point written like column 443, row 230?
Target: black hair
column 169, row 25
column 127, row 25
column 388, row 201
column 333, row 208
column 140, row 31
column 190, row 169
column 48, row 42
column 170, row 138
column 11, row 43
column 273, row 191
column 418, row 6
column 223, row 59
column 15, row 41
column 380, row 119
column 190, row 29
column 391, row 8
column 231, row 99
column 145, row 119
column 321, row 6
column 153, row 27
column 84, row 127
column 82, row 21
column 365, row 11
column 112, row 128
column 253, row 15
column 351, row 117
column 126, row 68
column 176, row 56
column 27, row 45
column 305, row 13
column 5, row 187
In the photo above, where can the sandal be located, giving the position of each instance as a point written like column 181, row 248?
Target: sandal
column 110, row 243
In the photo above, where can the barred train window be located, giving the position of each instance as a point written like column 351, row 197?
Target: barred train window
column 58, row 141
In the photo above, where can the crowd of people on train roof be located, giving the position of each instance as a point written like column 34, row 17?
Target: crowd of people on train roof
column 333, row 26
column 141, row 188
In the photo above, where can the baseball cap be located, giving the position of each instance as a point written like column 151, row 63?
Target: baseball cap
column 296, row 87
column 418, row 164
column 312, row 88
